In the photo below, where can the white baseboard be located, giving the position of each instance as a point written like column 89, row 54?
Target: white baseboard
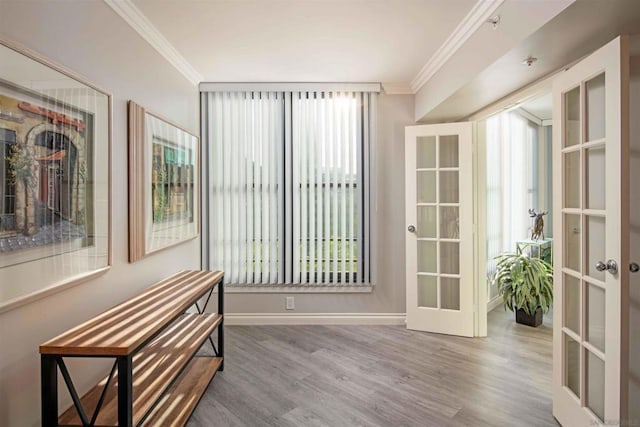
column 496, row 302
column 314, row 318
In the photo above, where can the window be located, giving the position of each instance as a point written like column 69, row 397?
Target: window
column 288, row 186
column 512, row 183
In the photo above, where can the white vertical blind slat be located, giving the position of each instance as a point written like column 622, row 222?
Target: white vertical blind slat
column 353, row 188
column 344, row 164
column 287, row 172
column 241, row 193
column 327, row 179
column 303, row 186
column 312, row 189
column 297, row 202
column 273, row 188
column 321, row 142
column 369, row 141
column 335, row 225
column 251, row 191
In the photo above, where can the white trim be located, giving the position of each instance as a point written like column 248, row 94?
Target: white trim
column 297, row 289
column 136, row 20
column 476, row 17
column 53, row 289
column 314, row 319
column 547, row 122
column 529, row 116
column 493, row 303
column 288, row 87
column 397, row 89
column 480, row 228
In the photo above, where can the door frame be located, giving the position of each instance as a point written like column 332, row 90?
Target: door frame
column 508, row 103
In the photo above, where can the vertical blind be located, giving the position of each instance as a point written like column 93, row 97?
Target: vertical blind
column 512, row 166
column 288, row 186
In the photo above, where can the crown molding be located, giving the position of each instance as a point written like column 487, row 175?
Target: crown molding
column 397, row 89
column 141, row 24
column 476, row 17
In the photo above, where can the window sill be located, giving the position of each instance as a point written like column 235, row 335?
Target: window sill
column 298, row 289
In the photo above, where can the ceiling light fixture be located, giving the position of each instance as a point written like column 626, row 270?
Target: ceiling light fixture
column 494, row 21
column 529, row 60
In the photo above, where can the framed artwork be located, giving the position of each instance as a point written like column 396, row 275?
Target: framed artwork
column 54, row 180
column 164, row 183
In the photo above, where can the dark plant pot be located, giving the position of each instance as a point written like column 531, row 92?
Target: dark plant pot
column 525, row 319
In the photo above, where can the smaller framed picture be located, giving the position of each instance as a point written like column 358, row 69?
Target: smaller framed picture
column 164, row 188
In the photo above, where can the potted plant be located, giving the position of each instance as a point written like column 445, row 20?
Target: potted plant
column 526, row 286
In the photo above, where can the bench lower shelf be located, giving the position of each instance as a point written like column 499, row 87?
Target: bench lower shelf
column 154, row 368
column 175, row 407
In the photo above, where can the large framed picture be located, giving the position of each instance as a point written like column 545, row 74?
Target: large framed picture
column 54, row 180
column 163, row 183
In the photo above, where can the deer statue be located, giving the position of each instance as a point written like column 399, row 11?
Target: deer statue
column 537, row 232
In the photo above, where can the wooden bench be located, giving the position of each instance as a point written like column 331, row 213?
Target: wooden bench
column 153, row 340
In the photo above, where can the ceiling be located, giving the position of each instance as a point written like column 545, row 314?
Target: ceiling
column 578, row 30
column 541, row 107
column 306, row 40
column 443, row 51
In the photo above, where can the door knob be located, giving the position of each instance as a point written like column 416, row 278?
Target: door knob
column 610, row 266
column 634, row 267
column 411, row 229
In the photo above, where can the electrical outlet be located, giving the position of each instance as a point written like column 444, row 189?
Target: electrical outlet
column 290, row 303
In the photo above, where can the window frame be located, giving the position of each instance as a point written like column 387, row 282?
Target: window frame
column 328, row 286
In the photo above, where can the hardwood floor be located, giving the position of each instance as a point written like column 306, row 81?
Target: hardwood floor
column 381, row 376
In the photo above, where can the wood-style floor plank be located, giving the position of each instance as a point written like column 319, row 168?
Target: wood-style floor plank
column 381, row 376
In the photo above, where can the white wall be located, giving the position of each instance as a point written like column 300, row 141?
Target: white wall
column 89, row 38
column 388, row 295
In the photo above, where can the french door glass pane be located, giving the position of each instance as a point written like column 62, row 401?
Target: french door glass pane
column 426, row 148
column 595, row 384
column 572, row 179
column 426, row 183
column 595, row 316
column 572, row 246
column 448, row 151
column 572, row 303
column 595, row 103
column 449, row 222
column 427, row 256
column 572, row 363
column 450, row 257
column 572, row 117
column 595, row 178
column 595, row 245
column 426, row 221
column 427, row 291
column 449, row 192
column 450, row 293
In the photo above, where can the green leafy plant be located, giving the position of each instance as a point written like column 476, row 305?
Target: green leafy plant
column 524, row 283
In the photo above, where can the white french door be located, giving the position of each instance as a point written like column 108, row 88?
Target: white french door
column 591, row 261
column 439, row 234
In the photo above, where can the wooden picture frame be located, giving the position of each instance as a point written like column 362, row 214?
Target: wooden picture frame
column 55, row 194
column 164, row 183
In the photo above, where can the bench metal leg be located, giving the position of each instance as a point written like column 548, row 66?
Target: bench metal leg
column 49, row 390
column 221, row 326
column 125, row 391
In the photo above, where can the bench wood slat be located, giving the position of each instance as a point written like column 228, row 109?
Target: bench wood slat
column 122, row 329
